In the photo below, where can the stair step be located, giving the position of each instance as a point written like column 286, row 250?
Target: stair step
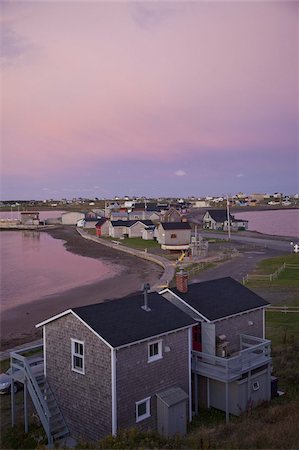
column 61, row 434
column 57, row 421
column 58, row 428
column 54, row 411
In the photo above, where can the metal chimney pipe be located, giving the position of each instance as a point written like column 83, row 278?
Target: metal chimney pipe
column 146, row 287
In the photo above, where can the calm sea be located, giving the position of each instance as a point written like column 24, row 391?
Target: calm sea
column 33, row 265
column 279, row 223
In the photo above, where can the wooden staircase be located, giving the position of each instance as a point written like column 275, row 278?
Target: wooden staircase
column 58, row 427
column 42, row 397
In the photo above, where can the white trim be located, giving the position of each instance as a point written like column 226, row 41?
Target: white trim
column 113, row 392
column 264, row 324
column 205, row 318
column 156, row 336
column 94, row 332
column 45, row 351
column 186, row 304
column 70, row 311
column 190, row 372
column 64, row 313
column 78, row 355
column 238, row 314
column 157, row 356
column 148, row 409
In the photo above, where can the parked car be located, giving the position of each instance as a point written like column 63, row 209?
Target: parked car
column 37, row 368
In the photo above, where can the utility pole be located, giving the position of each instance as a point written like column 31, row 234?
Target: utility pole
column 228, row 217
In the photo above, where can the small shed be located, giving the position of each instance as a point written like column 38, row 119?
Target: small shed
column 172, row 412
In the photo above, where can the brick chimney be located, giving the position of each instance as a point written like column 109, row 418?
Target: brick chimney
column 182, row 281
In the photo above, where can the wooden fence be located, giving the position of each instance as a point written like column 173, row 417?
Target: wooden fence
column 283, row 309
column 272, row 276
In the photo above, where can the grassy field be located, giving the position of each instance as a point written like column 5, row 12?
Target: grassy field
column 288, row 278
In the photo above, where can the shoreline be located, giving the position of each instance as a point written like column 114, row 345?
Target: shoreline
column 18, row 323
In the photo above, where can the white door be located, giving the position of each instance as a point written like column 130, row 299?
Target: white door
column 208, row 338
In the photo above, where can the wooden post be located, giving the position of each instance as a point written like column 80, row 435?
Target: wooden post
column 13, row 409
column 196, row 393
column 25, row 406
column 226, row 403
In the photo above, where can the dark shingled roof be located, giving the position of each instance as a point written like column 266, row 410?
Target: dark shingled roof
column 101, row 222
column 129, row 223
column 176, row 225
column 220, row 298
column 123, row 321
column 219, row 215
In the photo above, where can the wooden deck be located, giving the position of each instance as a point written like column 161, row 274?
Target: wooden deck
column 254, row 352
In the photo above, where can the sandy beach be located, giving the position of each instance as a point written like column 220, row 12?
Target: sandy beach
column 18, row 324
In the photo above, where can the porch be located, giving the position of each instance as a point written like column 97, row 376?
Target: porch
column 254, row 352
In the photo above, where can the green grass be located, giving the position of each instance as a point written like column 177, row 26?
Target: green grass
column 137, row 243
column 288, row 278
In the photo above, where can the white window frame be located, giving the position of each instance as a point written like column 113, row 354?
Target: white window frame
column 147, row 414
column 158, row 355
column 78, row 355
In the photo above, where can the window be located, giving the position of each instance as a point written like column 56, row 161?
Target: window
column 173, row 236
column 78, row 356
column 255, row 385
column 154, row 351
column 143, row 409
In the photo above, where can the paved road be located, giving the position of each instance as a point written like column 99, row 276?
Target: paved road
column 263, row 241
column 237, row 267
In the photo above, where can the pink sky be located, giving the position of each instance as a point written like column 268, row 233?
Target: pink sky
column 154, row 98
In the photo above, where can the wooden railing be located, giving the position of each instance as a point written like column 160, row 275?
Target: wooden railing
column 21, row 372
column 253, row 352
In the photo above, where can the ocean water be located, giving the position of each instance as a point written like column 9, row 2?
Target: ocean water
column 278, row 223
column 34, row 265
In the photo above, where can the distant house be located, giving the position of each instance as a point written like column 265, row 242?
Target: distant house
column 121, row 364
column 172, row 215
column 90, row 222
column 102, row 227
column 232, row 360
column 216, row 219
column 174, row 235
column 128, row 228
column 71, row 218
column 148, row 233
column 29, row 217
column 119, row 215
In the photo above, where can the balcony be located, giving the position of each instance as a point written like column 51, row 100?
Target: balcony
column 254, row 352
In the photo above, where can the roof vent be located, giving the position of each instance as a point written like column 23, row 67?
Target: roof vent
column 145, row 287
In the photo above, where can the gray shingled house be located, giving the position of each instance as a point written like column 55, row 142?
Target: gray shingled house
column 149, row 361
column 121, row 364
column 216, row 219
column 231, row 359
column 174, row 235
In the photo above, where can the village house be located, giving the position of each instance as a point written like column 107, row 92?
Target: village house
column 171, row 215
column 29, row 217
column 71, row 218
column 174, row 235
column 128, row 228
column 150, row 361
column 231, row 360
column 112, row 366
column 217, row 219
column 102, row 227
